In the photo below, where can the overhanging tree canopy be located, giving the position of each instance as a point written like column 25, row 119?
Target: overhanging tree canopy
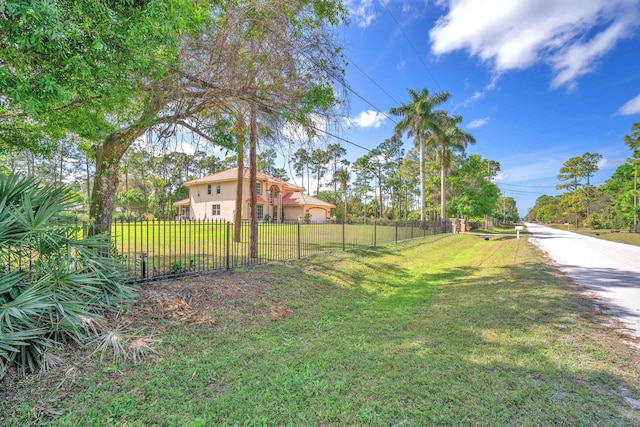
column 64, row 64
column 127, row 67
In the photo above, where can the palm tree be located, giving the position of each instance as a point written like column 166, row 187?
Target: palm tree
column 419, row 120
column 447, row 142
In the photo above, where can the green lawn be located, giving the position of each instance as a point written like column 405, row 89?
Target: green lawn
column 620, row 237
column 176, row 247
column 451, row 330
column 612, row 235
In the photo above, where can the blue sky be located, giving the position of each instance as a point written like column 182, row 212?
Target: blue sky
column 536, row 81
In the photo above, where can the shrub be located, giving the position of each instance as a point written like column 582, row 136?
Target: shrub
column 53, row 282
column 594, row 221
column 413, row 216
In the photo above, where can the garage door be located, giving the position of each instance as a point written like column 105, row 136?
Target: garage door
column 318, row 215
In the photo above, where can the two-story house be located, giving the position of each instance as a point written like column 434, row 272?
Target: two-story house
column 213, row 197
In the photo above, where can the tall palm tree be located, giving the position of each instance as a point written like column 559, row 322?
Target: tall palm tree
column 419, row 119
column 342, row 177
column 447, row 142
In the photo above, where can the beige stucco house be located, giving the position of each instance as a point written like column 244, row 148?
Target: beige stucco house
column 213, row 197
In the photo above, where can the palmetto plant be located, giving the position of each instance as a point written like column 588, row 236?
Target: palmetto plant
column 51, row 279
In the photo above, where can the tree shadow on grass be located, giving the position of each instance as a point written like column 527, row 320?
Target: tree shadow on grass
column 449, row 348
column 505, row 349
column 507, row 346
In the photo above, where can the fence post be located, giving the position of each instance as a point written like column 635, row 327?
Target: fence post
column 396, row 232
column 143, row 264
column 375, row 232
column 298, row 239
column 228, row 244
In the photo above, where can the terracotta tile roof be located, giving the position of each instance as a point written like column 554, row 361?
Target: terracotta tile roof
column 230, row 175
column 300, row 199
column 183, row 202
column 259, row 199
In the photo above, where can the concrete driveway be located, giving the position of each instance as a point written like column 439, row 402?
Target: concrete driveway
column 610, row 270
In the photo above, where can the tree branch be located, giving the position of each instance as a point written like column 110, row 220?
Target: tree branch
column 204, row 135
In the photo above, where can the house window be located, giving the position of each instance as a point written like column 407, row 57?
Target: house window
column 217, row 188
column 258, row 188
column 208, row 188
column 275, row 213
column 260, row 211
column 215, row 210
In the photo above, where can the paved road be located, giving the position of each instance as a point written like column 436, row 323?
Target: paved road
column 610, row 270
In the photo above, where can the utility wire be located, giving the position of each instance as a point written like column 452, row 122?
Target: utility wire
column 341, row 139
column 371, row 79
column 367, row 101
column 415, row 51
column 411, row 44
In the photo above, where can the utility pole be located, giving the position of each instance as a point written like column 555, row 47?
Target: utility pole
column 635, row 198
column 504, row 207
column 486, row 216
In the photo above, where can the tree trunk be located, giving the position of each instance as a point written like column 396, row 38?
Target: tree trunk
column 239, row 131
column 443, row 175
column 108, row 155
column 588, row 196
column 88, row 183
column 423, row 202
column 105, row 183
column 61, row 165
column 335, row 168
column 344, row 190
column 253, row 138
column 126, row 176
column 380, row 195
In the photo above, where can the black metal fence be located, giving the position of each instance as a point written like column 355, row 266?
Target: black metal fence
column 158, row 249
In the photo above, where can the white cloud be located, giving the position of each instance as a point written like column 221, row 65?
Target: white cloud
column 604, row 163
column 296, row 132
column 473, row 98
column 479, row 94
column 185, row 147
column 478, row 123
column 401, row 65
column 610, row 163
column 368, row 119
column 570, row 36
column 361, row 11
column 631, row 107
column 501, row 176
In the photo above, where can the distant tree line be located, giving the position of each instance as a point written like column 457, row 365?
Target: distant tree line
column 612, row 205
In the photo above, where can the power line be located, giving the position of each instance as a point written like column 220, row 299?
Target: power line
column 341, row 139
column 529, row 186
column 411, row 44
column 368, row 102
column 415, row 51
column 373, row 81
column 350, row 89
